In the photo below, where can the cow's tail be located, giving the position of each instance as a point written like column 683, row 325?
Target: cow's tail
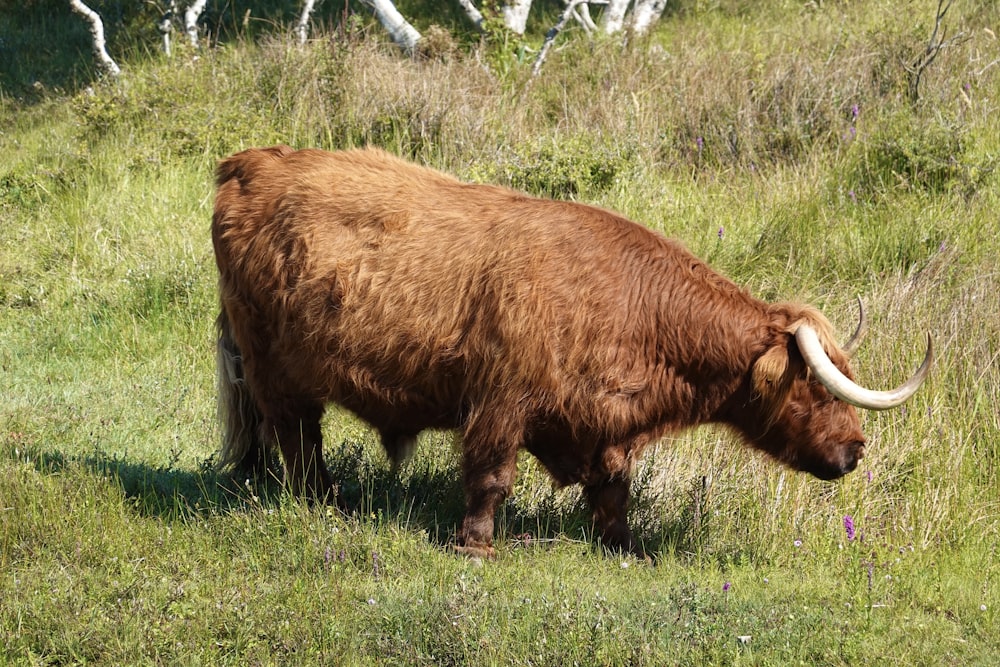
column 242, row 450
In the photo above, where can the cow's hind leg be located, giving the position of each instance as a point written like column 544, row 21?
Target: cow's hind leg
column 608, row 500
column 489, row 466
column 300, row 439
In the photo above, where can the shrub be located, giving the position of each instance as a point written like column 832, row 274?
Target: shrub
column 911, row 152
column 561, row 169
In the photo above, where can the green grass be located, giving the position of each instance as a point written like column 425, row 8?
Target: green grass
column 120, row 545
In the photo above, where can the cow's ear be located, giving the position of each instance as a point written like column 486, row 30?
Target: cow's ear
column 772, row 375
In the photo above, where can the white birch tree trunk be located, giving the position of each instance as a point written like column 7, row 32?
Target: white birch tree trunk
column 515, row 15
column 645, row 14
column 474, row 14
column 402, row 33
column 166, row 25
column 613, row 18
column 582, row 16
column 550, row 36
column 302, row 27
column 104, row 60
column 191, row 16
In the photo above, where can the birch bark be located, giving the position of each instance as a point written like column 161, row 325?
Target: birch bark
column 191, row 16
column 613, row 18
column 166, row 25
column 400, row 31
column 550, row 36
column 104, row 60
column 474, row 14
column 645, row 14
column 302, row 27
column 515, row 15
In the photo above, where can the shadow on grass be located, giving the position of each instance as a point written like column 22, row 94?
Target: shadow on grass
column 156, row 491
column 421, row 497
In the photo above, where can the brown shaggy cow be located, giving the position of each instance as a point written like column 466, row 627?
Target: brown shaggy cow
column 418, row 301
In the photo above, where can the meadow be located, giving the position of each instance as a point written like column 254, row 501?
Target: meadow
column 782, row 141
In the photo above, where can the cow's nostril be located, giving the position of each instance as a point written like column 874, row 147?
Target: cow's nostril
column 855, row 452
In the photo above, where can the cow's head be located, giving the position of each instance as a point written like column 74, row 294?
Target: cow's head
column 806, row 398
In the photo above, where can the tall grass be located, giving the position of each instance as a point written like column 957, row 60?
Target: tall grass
column 776, row 141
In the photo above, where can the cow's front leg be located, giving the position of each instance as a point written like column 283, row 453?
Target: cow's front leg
column 489, row 466
column 608, row 500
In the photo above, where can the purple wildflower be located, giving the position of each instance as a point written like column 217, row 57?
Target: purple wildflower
column 725, row 587
column 853, row 195
column 700, row 143
column 855, row 112
column 722, row 232
column 868, row 476
column 849, row 527
column 797, row 543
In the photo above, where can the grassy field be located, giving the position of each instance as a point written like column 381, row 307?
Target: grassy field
column 779, row 140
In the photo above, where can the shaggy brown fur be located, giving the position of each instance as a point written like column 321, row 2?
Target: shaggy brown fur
column 418, row 301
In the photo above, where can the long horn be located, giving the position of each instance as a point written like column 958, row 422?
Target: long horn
column 846, row 389
column 852, row 345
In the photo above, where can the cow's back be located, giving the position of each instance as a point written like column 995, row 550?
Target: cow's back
column 412, row 289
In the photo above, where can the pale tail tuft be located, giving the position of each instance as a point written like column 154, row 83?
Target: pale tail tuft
column 242, row 450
